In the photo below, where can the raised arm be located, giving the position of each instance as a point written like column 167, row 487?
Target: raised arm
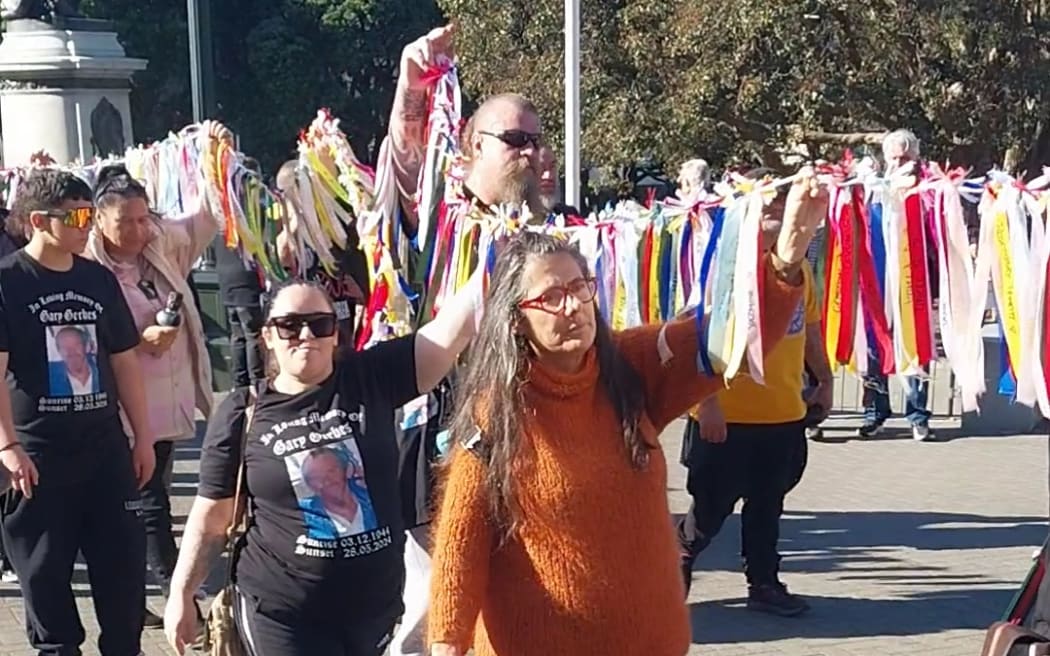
column 463, row 544
column 409, row 114
column 440, row 342
column 189, row 234
column 667, row 363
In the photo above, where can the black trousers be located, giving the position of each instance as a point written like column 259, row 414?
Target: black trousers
column 268, row 631
column 161, row 552
column 99, row 517
column 247, row 364
column 757, row 463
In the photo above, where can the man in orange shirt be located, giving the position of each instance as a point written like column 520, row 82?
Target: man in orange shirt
column 749, row 443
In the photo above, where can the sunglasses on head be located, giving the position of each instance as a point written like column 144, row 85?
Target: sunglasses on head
column 290, row 326
column 78, row 217
column 516, row 138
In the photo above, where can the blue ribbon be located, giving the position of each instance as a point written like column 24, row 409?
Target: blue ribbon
column 667, row 280
column 878, row 256
column 1007, row 383
column 704, row 359
column 604, row 305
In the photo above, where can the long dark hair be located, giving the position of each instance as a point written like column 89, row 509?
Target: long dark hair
column 492, row 388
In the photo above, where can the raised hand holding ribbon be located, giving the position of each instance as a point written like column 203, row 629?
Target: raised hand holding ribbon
column 804, row 211
column 422, row 56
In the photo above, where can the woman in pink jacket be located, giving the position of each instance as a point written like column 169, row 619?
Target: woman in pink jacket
column 152, row 258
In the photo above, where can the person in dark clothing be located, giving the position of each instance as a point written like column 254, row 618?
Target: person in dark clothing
column 62, row 443
column 319, row 570
column 240, row 290
column 13, row 236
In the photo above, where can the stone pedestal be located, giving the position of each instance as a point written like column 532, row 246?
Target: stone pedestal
column 65, row 91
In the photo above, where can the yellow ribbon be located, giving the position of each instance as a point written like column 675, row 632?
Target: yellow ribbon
column 833, row 314
column 1006, row 293
column 908, row 342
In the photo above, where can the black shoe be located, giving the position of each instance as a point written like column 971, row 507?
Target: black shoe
column 869, row 429
column 151, row 620
column 775, row 599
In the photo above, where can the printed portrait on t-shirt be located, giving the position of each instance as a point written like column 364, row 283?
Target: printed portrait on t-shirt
column 330, row 486
column 72, row 360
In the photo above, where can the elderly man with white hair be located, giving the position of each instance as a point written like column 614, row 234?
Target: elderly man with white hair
column 693, row 178
column 899, row 148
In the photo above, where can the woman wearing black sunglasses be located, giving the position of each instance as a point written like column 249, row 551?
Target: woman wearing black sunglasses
column 320, row 569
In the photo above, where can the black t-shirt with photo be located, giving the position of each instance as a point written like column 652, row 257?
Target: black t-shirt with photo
column 59, row 329
column 326, row 537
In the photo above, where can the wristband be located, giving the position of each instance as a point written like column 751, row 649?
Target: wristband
column 8, row 447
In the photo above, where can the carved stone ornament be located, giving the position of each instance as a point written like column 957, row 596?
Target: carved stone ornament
column 107, row 130
column 42, row 10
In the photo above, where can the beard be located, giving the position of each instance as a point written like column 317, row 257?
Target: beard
column 518, row 184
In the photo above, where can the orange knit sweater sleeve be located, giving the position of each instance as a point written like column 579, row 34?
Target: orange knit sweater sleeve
column 463, row 541
column 672, row 389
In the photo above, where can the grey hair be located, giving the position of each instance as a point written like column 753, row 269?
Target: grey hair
column 491, row 396
column 906, row 139
column 696, row 172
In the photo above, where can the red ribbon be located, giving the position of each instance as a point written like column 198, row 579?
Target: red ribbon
column 847, row 283
column 920, row 288
column 874, row 310
column 376, row 303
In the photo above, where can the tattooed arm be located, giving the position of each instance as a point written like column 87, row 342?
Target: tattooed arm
column 409, row 114
column 203, row 542
column 406, row 141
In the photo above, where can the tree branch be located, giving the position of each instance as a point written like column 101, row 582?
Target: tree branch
column 843, row 138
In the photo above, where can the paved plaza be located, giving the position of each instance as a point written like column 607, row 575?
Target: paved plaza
column 902, row 547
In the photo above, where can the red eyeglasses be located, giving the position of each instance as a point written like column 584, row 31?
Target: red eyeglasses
column 552, row 301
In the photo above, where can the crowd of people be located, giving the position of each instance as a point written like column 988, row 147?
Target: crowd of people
column 437, row 493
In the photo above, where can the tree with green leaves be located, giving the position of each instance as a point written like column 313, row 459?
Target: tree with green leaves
column 757, row 80
column 276, row 64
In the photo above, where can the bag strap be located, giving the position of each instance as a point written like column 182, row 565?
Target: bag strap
column 236, row 516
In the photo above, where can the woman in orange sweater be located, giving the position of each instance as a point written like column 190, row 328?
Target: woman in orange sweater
column 553, row 535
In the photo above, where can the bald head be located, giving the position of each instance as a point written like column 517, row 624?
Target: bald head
column 501, row 144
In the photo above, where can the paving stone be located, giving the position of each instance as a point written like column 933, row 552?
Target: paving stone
column 902, row 548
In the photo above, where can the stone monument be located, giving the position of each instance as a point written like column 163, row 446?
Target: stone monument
column 65, row 82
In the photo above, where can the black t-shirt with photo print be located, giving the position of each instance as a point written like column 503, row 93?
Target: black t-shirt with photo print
column 59, row 329
column 326, row 537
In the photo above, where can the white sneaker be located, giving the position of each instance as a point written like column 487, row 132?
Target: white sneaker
column 9, row 577
column 921, row 433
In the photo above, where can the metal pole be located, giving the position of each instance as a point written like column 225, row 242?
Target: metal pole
column 209, row 104
column 572, row 103
column 196, row 88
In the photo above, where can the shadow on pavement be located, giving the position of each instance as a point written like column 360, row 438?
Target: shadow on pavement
column 728, row 621
column 862, row 549
column 826, row 541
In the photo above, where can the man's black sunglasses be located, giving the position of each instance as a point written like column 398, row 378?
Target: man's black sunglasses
column 290, row 326
column 516, row 138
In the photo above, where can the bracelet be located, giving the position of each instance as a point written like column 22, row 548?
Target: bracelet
column 784, row 270
column 8, row 447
